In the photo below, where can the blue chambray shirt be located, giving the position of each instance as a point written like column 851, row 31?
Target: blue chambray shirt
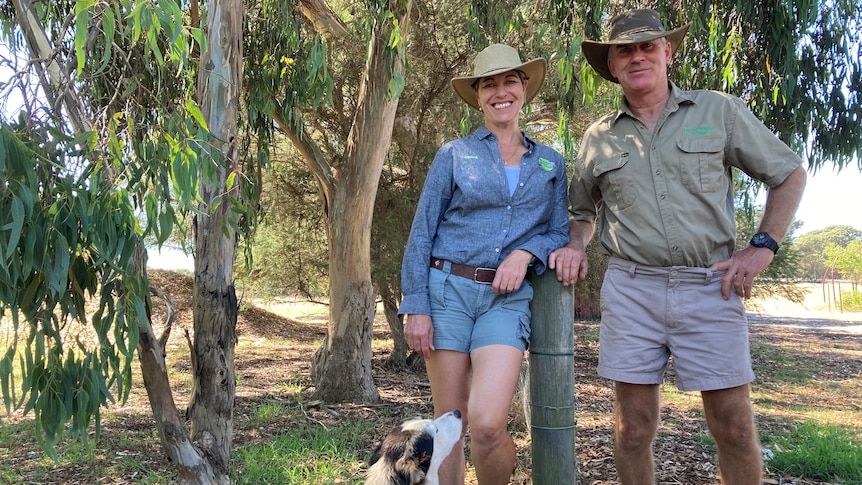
column 466, row 215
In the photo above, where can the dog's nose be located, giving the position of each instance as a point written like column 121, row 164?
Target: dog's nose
column 457, row 413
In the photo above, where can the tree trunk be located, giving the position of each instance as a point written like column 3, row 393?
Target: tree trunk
column 342, row 367
column 342, row 364
column 398, row 357
column 192, row 467
column 211, row 404
column 206, row 458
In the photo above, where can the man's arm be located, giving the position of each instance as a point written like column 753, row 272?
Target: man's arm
column 570, row 261
column 781, row 204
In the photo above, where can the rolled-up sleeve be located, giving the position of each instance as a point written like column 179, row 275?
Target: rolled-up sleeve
column 435, row 197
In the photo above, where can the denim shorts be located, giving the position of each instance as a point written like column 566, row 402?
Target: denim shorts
column 467, row 315
column 651, row 313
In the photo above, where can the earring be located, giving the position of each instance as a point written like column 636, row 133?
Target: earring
column 480, row 109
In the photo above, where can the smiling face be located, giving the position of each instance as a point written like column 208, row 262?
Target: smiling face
column 641, row 67
column 501, row 97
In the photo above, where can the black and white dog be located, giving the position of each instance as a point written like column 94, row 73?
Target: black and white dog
column 411, row 454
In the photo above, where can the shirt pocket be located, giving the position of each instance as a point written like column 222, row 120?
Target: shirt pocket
column 702, row 163
column 615, row 181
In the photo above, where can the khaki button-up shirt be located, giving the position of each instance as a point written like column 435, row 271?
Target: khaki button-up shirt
column 665, row 197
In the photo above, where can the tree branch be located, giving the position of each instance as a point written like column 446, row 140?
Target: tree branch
column 315, row 160
column 57, row 86
column 324, row 19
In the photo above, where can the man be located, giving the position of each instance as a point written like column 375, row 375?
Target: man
column 658, row 173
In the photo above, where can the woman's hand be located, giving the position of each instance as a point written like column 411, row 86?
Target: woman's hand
column 511, row 272
column 419, row 334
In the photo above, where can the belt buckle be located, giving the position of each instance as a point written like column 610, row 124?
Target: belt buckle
column 476, row 273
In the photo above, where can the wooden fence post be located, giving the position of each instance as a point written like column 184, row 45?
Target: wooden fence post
column 551, row 382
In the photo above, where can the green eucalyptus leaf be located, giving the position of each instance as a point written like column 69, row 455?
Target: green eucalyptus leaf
column 109, row 26
column 82, row 21
column 196, row 114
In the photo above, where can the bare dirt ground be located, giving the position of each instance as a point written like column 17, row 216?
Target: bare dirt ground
column 680, row 457
column 822, row 310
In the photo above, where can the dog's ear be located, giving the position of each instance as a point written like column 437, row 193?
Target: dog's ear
column 393, row 446
column 409, row 470
column 413, row 464
column 423, row 448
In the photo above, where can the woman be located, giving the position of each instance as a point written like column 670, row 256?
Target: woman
column 493, row 203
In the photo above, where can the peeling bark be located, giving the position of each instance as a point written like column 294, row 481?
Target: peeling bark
column 211, row 405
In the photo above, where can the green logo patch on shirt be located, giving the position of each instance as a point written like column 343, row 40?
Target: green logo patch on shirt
column 546, row 164
column 700, row 131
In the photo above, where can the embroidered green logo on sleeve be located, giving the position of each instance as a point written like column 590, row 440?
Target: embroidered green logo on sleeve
column 700, row 131
column 546, row 164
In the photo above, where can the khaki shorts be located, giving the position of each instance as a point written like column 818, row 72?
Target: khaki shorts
column 651, row 313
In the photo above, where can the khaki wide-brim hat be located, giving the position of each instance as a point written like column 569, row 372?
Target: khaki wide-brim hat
column 497, row 59
column 632, row 27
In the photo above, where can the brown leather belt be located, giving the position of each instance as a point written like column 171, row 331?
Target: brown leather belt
column 479, row 275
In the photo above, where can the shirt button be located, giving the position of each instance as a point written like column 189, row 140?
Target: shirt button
column 662, row 196
column 658, row 172
column 508, row 207
column 676, row 248
column 496, row 250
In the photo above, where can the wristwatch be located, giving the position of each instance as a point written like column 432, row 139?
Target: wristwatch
column 764, row 240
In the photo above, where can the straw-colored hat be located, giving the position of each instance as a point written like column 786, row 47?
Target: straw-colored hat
column 632, row 27
column 496, row 59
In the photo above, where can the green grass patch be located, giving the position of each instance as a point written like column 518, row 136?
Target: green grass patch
column 776, row 366
column 126, row 459
column 267, row 412
column 817, row 451
column 591, row 334
column 705, row 440
column 315, row 455
column 11, row 444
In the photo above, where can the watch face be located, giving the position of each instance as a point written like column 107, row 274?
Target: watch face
column 759, row 238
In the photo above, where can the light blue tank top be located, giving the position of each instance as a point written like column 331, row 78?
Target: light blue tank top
column 513, row 174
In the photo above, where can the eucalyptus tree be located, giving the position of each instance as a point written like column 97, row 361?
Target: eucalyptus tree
column 341, row 125
column 121, row 134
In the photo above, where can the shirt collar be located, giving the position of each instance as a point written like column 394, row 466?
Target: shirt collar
column 677, row 97
column 483, row 133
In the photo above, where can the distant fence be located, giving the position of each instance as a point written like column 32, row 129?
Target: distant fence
column 833, row 292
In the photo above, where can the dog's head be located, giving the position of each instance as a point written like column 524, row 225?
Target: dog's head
column 414, row 450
